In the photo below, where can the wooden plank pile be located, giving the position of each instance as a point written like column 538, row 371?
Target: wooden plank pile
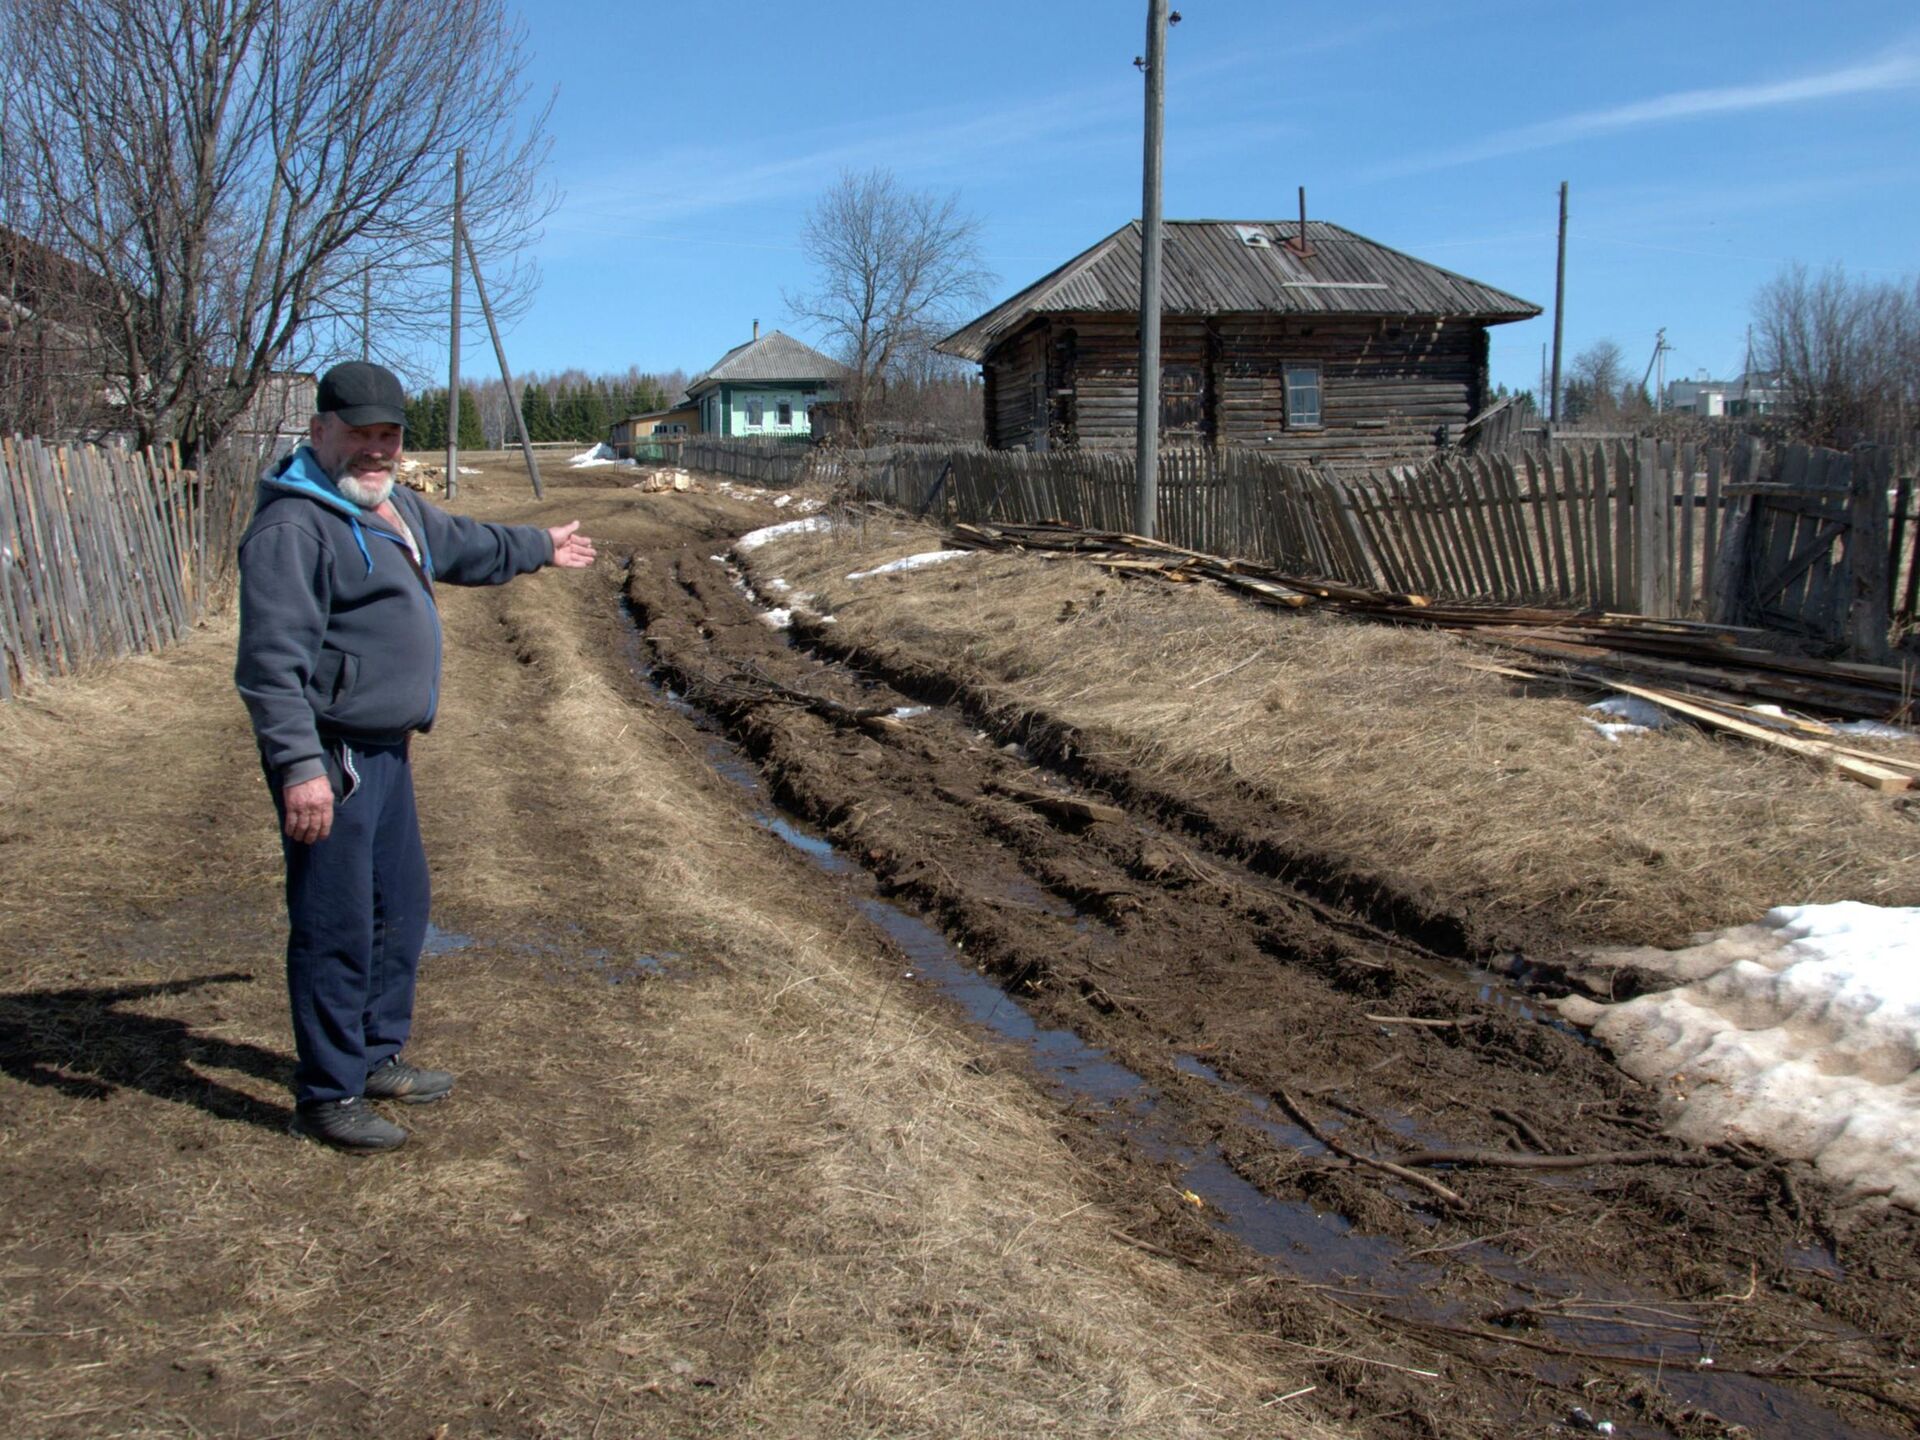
column 1732, row 679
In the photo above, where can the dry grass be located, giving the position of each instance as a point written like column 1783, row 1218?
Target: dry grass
column 1383, row 747
column 767, row 1193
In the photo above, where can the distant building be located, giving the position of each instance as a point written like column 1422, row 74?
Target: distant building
column 281, row 407
column 53, row 358
column 1323, row 346
column 677, row 421
column 766, row 387
column 1757, row 392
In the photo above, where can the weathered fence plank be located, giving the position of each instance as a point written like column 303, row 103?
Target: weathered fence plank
column 92, row 559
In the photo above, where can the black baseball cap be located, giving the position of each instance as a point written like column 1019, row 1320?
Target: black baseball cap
column 362, row 394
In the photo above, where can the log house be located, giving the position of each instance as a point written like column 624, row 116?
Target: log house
column 1344, row 351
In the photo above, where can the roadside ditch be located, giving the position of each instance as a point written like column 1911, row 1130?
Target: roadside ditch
column 1260, row 1036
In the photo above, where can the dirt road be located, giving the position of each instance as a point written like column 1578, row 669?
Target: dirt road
column 1247, row 1146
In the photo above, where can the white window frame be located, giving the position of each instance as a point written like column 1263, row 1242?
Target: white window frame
column 1297, row 415
column 756, row 412
column 783, row 414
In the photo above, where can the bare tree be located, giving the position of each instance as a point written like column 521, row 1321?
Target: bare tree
column 1596, row 381
column 246, row 179
column 1846, row 352
column 892, row 266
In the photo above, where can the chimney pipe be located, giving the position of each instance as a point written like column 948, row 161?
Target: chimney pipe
column 756, row 329
column 1299, row 244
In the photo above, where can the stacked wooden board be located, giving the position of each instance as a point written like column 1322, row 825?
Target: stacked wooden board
column 1736, row 680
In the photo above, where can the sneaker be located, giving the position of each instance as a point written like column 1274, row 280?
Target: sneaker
column 350, row 1125
column 394, row 1079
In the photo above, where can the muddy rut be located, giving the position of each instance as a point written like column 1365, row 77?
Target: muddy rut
column 1432, row 1157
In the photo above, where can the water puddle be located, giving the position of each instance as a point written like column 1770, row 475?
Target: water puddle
column 612, row 968
column 1315, row 1247
column 444, row 942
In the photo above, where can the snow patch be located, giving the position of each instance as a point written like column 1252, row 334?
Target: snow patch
column 1633, row 711
column 1873, row 730
column 1613, row 730
column 1801, row 1034
column 780, row 618
column 601, row 454
column 911, row 562
column 754, row 539
column 1630, row 716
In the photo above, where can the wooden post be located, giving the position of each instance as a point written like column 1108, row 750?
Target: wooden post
column 1559, row 308
column 506, row 375
column 1653, row 519
column 453, row 333
column 1730, row 560
column 1147, row 425
column 1870, row 607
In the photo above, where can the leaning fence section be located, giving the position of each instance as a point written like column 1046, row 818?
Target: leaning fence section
column 107, row 552
column 1821, row 544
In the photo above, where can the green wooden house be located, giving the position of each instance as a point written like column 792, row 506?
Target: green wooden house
column 766, row 387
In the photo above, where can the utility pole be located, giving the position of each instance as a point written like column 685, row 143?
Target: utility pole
column 453, row 359
column 1658, row 362
column 1559, row 308
column 506, row 375
column 1543, row 377
column 1147, row 421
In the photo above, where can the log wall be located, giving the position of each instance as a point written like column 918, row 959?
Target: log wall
column 1387, row 386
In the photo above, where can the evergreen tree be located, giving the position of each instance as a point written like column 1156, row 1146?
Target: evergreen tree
column 473, row 435
column 569, row 408
column 416, row 422
column 432, row 434
column 594, row 420
column 536, row 406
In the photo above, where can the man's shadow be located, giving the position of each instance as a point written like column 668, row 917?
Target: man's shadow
column 82, row 1044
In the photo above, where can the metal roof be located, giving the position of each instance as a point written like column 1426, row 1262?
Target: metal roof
column 1217, row 267
column 775, row 356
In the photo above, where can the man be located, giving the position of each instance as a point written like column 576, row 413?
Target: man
column 339, row 663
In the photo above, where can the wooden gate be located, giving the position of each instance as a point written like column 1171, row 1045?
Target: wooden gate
column 1806, row 548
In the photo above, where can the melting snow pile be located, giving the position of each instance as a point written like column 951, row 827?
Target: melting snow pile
column 1627, row 715
column 911, row 562
column 1801, row 1034
column 754, row 539
column 601, row 454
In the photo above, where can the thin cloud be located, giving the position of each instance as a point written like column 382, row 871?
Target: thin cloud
column 936, row 145
column 1898, row 70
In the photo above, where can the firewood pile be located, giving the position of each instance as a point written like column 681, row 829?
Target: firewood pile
column 1735, row 680
column 418, row 475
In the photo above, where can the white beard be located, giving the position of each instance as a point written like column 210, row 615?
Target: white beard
column 367, row 494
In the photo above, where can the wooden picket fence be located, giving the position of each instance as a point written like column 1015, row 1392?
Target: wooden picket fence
column 755, row 462
column 107, row 552
column 1641, row 526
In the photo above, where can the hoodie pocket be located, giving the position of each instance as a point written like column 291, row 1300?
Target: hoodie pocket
column 334, row 676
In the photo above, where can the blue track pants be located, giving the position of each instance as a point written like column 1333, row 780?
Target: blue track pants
column 357, row 917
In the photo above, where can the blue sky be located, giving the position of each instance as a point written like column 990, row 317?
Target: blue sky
column 1706, row 146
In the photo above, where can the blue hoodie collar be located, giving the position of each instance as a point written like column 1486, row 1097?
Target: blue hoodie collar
column 301, row 472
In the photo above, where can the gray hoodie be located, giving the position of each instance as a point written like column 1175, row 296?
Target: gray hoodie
column 339, row 633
